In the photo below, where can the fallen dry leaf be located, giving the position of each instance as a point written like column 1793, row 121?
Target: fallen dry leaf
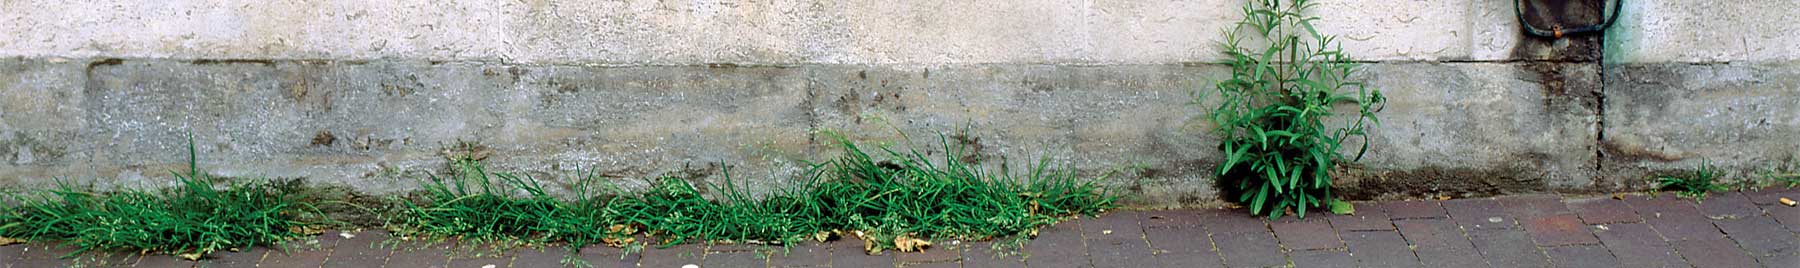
column 8, row 241
column 908, row 244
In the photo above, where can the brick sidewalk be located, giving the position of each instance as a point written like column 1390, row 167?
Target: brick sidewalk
column 1747, row 229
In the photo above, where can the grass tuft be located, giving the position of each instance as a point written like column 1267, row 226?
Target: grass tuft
column 191, row 220
column 900, row 203
column 1694, row 184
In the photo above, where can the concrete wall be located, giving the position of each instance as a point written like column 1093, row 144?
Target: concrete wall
column 364, row 93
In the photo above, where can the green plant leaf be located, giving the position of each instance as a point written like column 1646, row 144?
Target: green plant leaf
column 1342, row 207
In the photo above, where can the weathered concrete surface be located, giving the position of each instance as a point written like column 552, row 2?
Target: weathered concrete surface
column 1666, row 117
column 1705, row 31
column 935, row 32
column 1480, row 129
column 1463, row 128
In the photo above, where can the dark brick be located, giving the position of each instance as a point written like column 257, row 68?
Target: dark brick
column 1369, row 218
column 1182, row 247
column 481, row 256
column 609, row 257
column 1224, row 221
column 547, row 257
column 1247, row 249
column 926, row 265
column 1582, row 256
column 848, row 252
column 163, row 261
column 1779, row 261
column 1115, row 221
column 247, row 258
column 110, row 259
column 308, row 253
column 1788, row 216
column 1559, row 230
column 1604, row 211
column 1772, row 195
column 736, row 258
column 1532, row 206
column 1171, row 218
column 937, row 253
column 1480, row 214
column 421, row 254
column 809, row 254
column 1439, row 243
column 1119, row 248
column 363, row 249
column 1413, row 209
column 983, row 254
column 1380, row 249
column 1761, row 236
column 1678, row 225
column 1652, row 206
column 674, row 256
column 12, row 253
column 1507, row 248
column 1728, row 206
column 1636, row 245
column 46, row 251
column 1058, row 245
column 1713, row 253
column 1330, row 258
column 1309, row 234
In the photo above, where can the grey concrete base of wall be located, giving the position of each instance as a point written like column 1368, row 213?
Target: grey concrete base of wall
column 1474, row 128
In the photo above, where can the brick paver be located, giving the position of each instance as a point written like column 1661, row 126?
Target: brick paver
column 1713, row 253
column 1322, row 258
column 1480, row 214
column 1309, row 234
column 608, row 257
column 1636, row 245
column 1363, row 220
column 804, row 255
column 1558, row 230
column 1249, row 249
column 1414, row 209
column 1603, row 211
column 1440, row 243
column 1582, row 256
column 1381, row 249
column 1188, row 246
column 1748, row 229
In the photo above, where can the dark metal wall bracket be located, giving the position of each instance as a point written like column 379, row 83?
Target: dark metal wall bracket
column 1557, row 31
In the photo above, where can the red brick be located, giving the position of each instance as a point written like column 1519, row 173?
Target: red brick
column 1582, row 256
column 1323, row 258
column 1413, row 209
column 1480, row 214
column 1532, row 206
column 1604, row 211
column 1728, row 206
column 1559, row 230
column 1307, row 234
column 1713, row 253
column 1380, row 249
column 1439, row 243
column 1248, row 249
column 1636, row 245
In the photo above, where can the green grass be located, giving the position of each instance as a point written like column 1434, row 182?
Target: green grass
column 191, row 220
column 1693, row 184
column 894, row 204
column 1783, row 173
